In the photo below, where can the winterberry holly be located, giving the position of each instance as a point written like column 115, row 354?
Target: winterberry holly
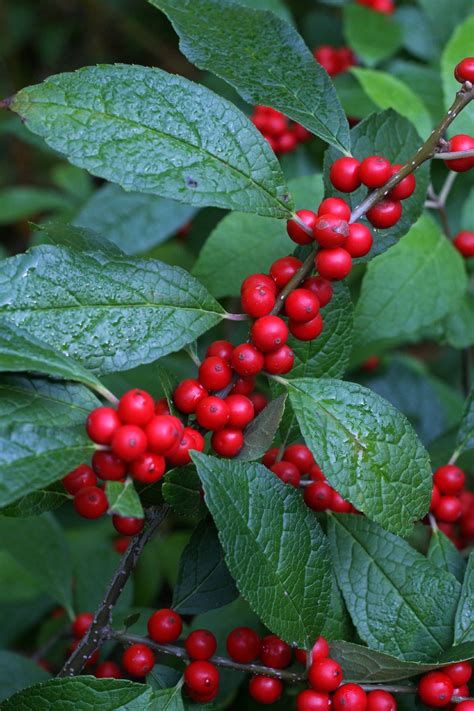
column 435, row 689
column 318, row 496
column 227, row 442
column 275, row 652
column 301, row 305
column 165, row 626
column 459, row 673
column 448, row 509
column 91, row 502
column 241, row 411
column 380, row 700
column 79, row 478
column 136, row 407
column 306, row 331
column 222, row 349
column 108, row 670
column 215, row 373
column 296, row 232
column 180, row 456
column 464, row 70
column 464, row 243
column 202, row 678
column 284, row 269
column 330, row 231
column 449, row 479
column 101, row 424
column 280, row 361
column 188, row 394
column 349, row 697
column 129, row 442
column 344, row 174
column 375, row 171
column 333, row 264
column 385, row 214
column 269, row 333
column 212, row 413
column 325, row 675
column 258, row 301
column 321, row 287
column 108, row 466
column 243, row 645
column 405, row 188
column 359, row 242
column 127, row 525
column 265, row 689
column 148, row 468
column 310, row 700
column 336, row 207
column 138, row 660
column 458, row 143
column 200, row 645
column 81, row 624
column 287, row 472
column 300, row 456
column 259, row 402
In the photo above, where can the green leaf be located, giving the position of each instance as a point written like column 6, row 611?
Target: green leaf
column 38, row 545
column 204, row 582
column 17, row 672
column 263, row 58
column 276, row 6
column 163, row 677
column 182, row 491
column 400, row 603
column 418, row 38
column 168, row 382
column 423, row 81
column 135, row 222
column 261, row 431
column 388, row 92
column 452, row 14
column 274, row 547
column 464, row 621
column 177, row 139
column 465, row 438
column 443, row 553
column 31, row 457
column 368, row 450
column 37, row 502
column 458, row 47
column 16, row 583
column 62, row 234
column 459, row 324
column 123, row 499
column 338, row 624
column 20, row 203
column 168, row 699
column 373, row 36
column 414, row 268
column 110, row 313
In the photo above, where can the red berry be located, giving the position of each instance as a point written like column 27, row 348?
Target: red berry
column 165, row 626
column 380, row 700
column 108, row 466
column 212, row 413
column 91, row 502
column 188, row 394
column 241, row 411
column 269, row 333
column 163, row 433
column 243, row 386
column 287, row 472
column 459, row 672
column 309, row 700
column 255, row 281
column 129, row 442
column 461, row 142
column 349, row 697
column 449, row 479
column 280, row 361
column 359, row 242
column 467, row 526
column 301, row 305
column 330, row 231
column 385, row 214
column 227, row 442
column 201, row 677
column 136, row 407
column 386, row 7
column 333, row 263
column 465, row 706
column 318, row 496
column 81, row 624
column 344, row 174
column 243, row 645
column 80, row 477
column 464, row 243
column 375, row 171
column 247, row 360
column 108, row 670
column 296, row 232
column 200, row 645
column 215, row 373
column 327, row 58
column 265, row 689
column 435, row 689
column 269, row 458
column 284, row 269
column 179, row 456
column 435, row 496
column 321, row 287
column 320, row 650
column 461, row 691
column 325, row 675
column 448, row 509
column 199, row 440
column 162, row 407
column 302, row 133
column 138, row 660
column 339, row 505
column 345, row 58
column 275, row 652
column 258, row 302
column 275, row 124
column 405, row 187
column 121, row 544
column 300, row 456
column 316, row 474
column 127, row 525
column 101, row 425
column 464, row 70
column 287, row 142
column 221, row 349
column 148, row 468
column 336, row 207
column 259, row 402
column 306, row 331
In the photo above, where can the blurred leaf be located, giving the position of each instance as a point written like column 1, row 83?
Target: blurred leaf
column 17, row 672
column 465, row 438
column 459, row 46
column 444, row 16
column 417, row 35
column 372, row 35
column 74, row 181
column 20, row 203
column 37, row 502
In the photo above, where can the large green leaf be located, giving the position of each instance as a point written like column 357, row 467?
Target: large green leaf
column 465, row 438
column 17, row 672
column 368, row 450
column 443, row 553
column 464, row 621
column 458, row 47
column 157, row 133
column 263, row 57
column 110, row 313
column 123, row 499
column 371, row 35
column 273, row 545
column 400, row 603
column 443, row 17
column 37, row 502
column 20, row 203
column 182, row 491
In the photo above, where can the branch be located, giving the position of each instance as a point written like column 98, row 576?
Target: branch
column 453, row 155
column 97, row 632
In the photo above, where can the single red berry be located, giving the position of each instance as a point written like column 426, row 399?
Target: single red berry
column 212, row 413
column 380, row 700
column 129, row 442
column 306, row 331
column 325, row 675
column 148, row 468
column 345, row 57
column 349, row 697
column 340, row 505
column 138, row 660
column 435, row 496
column 215, row 373
column 318, row 496
column 221, row 349
column 269, row 333
column 265, row 689
column 435, row 689
column 163, row 433
column 330, row 231
column 165, row 626
column 280, row 361
column 247, row 360
column 302, row 133
column 259, row 402
column 309, row 700
column 200, row 645
column 284, row 269
column 243, row 386
column 385, row 214
column 108, row 466
column 464, row 70
column 459, row 672
column 287, row 142
column 449, row 479
column 405, row 187
column 375, row 171
column 300, row 456
column 327, row 58
column 258, row 302
column 108, row 670
column 276, row 124
column 201, row 677
column 333, row 263
column 359, row 242
column 464, row 243
column 162, row 407
column 101, row 424
column 461, row 142
column 320, row 650
column 301, row 305
column 127, row 525
column 227, row 442
column 269, row 458
column 321, row 287
column 91, row 502
column 336, row 207
column 465, row 706
column 188, row 394
column 136, row 407
column 448, row 509
column 296, row 232
column 179, row 456
column 386, row 7
column 287, row 472
column 315, row 473
column 255, row 281
column 81, row 624
column 344, row 174
column 241, row 411
column 199, row 440
column 243, row 645
column 121, row 544
column 80, row 477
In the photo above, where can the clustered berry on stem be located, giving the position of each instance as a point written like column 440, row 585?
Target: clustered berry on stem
column 386, row 7
column 282, row 134
column 335, row 60
column 452, row 504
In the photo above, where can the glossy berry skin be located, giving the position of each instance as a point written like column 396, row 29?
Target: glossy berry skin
column 300, row 456
column 405, row 187
column 435, row 689
column 265, row 689
column 385, row 214
column 108, row 670
column 254, row 281
column 163, row 433
column 227, row 442
column 464, row 71
column 375, row 171
column 241, row 411
column 78, row 478
column 247, row 360
column 465, row 706
column 296, row 232
column 275, row 652
column 91, row 502
column 212, row 413
column 321, row 287
column 222, row 349
column 449, row 479
column 108, row 466
column 345, row 174
column 162, row 407
column 359, row 242
column 269, row 333
column 127, row 525
column 339, row 505
column 215, row 373
column 136, row 407
column 315, row 474
column 326, row 56
column 286, row 143
column 198, row 439
column 243, row 645
column 309, row 700
column 461, row 142
column 333, row 264
column 318, row 496
column 325, row 675
column 148, row 468
column 188, row 394
column 349, row 697
column 464, row 243
column 129, row 442
column 284, row 269
column 287, row 472
column 243, row 386
column 336, row 207
column 258, row 302
column 301, row 305
column 180, row 456
column 306, row 331
column 330, row 231
column 200, row 645
column 435, row 496
column 201, row 677
column 459, row 672
column 448, row 509
column 380, row 700
column 386, row 7
column 101, row 425
column 81, row 624
column 138, row 660
column 165, row 626
column 280, row 361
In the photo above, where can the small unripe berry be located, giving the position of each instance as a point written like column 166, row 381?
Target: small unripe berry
column 296, row 232
column 344, row 174
column 138, row 660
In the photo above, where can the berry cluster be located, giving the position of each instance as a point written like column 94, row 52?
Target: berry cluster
column 451, row 503
column 335, row 60
column 464, row 243
column 437, row 688
column 282, row 134
column 386, row 7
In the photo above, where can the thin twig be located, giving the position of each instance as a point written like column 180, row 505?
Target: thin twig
column 453, row 155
